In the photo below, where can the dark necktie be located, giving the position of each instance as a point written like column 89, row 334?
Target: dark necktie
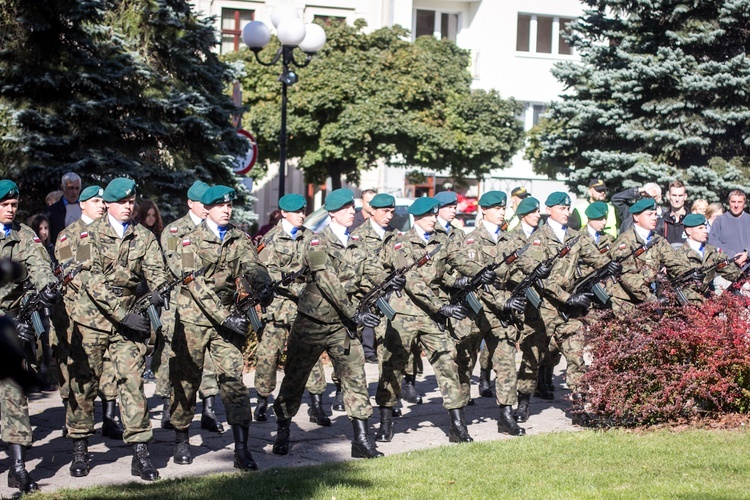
column 125, row 227
column 6, row 229
column 222, row 232
column 597, row 236
column 294, row 231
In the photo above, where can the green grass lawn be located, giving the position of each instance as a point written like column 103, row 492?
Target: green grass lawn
column 695, row 464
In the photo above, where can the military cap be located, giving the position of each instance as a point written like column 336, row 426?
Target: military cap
column 558, row 198
column 423, row 206
column 643, row 205
column 527, row 205
column 118, row 189
column 493, row 199
column 520, row 192
column 693, row 220
column 292, row 202
column 338, row 199
column 218, row 194
column 597, row 210
column 195, row 193
column 598, row 185
column 8, row 189
column 445, row 198
column 91, row 192
column 383, row 200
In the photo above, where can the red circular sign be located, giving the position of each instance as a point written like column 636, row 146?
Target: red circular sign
column 243, row 164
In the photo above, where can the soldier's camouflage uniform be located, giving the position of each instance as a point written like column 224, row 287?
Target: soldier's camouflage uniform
column 66, row 253
column 171, row 240
column 204, row 305
column 281, row 255
column 118, row 265
column 22, row 246
column 697, row 293
column 324, row 308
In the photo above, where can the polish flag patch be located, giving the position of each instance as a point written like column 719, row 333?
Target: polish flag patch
column 314, row 242
column 469, row 241
column 63, row 238
column 173, row 230
column 622, row 246
column 536, row 243
column 185, row 242
column 37, row 240
column 84, row 234
column 355, row 237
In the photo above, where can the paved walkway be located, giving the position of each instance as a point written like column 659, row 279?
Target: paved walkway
column 422, row 426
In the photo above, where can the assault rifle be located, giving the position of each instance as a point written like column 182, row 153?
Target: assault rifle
column 145, row 307
column 679, row 281
column 377, row 297
column 246, row 306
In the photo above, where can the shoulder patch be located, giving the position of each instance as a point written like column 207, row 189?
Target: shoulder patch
column 400, row 233
column 37, row 240
column 622, row 246
column 536, row 243
column 397, row 246
column 355, row 237
column 186, row 242
column 173, row 230
column 469, row 241
column 314, row 242
column 63, row 238
column 84, row 234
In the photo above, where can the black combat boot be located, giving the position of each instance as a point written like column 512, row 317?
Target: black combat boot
column 458, row 433
column 385, row 433
column 281, row 446
column 549, row 372
column 243, row 460
column 111, row 427
column 521, row 414
column 506, row 423
column 409, row 390
column 541, row 387
column 208, row 418
column 485, row 388
column 141, row 465
column 261, row 409
column 18, row 476
column 79, row 467
column 361, row 446
column 166, row 416
column 182, row 454
column 338, row 399
column 65, row 418
column 397, row 409
column 316, row 412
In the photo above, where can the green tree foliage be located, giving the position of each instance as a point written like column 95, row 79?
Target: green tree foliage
column 108, row 88
column 662, row 92
column 369, row 98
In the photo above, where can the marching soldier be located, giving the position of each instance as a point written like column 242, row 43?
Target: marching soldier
column 121, row 254
column 218, row 255
column 280, row 254
column 19, row 243
column 171, row 240
column 326, row 321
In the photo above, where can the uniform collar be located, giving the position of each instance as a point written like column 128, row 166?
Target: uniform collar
column 196, row 220
column 341, row 233
column 380, row 231
column 528, row 230
column 290, row 230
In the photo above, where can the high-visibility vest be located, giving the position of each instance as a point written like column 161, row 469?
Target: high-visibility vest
column 611, row 226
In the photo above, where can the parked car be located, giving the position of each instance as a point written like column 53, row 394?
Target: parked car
column 402, row 220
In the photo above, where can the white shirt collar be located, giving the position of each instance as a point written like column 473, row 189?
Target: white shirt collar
column 86, row 219
column 444, row 224
column 214, row 227
column 116, row 225
column 527, row 230
column 558, row 229
column 196, row 220
column 491, row 228
column 592, row 231
column 422, row 234
column 288, row 227
column 380, row 231
column 341, row 232
column 642, row 232
column 698, row 247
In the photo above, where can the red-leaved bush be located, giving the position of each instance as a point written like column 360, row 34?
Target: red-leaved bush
column 664, row 364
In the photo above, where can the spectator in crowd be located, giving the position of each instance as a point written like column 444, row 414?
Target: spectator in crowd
column 623, row 200
column 40, row 224
column 67, row 210
column 149, row 216
column 516, row 195
column 673, row 229
column 53, row 197
column 367, row 195
column 273, row 220
column 731, row 230
column 714, row 210
column 699, row 206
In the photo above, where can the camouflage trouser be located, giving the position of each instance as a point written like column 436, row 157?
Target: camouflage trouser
column 190, row 344
column 268, row 354
column 87, row 352
column 404, row 331
column 501, row 342
column 14, row 414
column 533, row 344
column 467, row 350
column 414, row 363
column 569, row 339
column 485, row 358
column 209, row 386
column 307, row 341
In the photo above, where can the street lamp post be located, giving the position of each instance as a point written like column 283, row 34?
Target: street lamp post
column 292, row 33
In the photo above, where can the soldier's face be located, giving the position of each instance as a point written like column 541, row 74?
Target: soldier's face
column 294, row 218
column 383, row 216
column 344, row 216
column 8, row 209
column 426, row 222
column 532, row 219
column 448, row 213
column 221, row 213
column 598, row 224
column 646, row 220
column 494, row 215
column 198, row 209
column 93, row 208
column 697, row 233
column 559, row 213
column 122, row 209
column 736, row 204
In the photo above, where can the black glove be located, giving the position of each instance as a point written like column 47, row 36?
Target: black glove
column 26, row 332
column 455, row 311
column 543, row 272
column 663, row 300
column 488, row 276
column 614, row 268
column 517, row 304
column 398, row 283
column 366, row 319
column 137, row 323
column 160, row 300
column 698, row 276
column 48, row 297
column 579, row 301
column 461, row 282
column 237, row 324
column 266, row 296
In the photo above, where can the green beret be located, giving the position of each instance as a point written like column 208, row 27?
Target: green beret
column 643, row 205
column 527, row 205
column 383, row 200
column 597, row 210
column 423, row 206
column 493, row 199
column 91, row 192
column 195, row 193
column 445, row 198
column 558, row 198
column 693, row 220
column 119, row 189
column 292, row 202
column 8, row 189
column 218, row 194
column 338, row 199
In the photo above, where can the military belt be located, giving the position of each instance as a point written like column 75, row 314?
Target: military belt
column 119, row 291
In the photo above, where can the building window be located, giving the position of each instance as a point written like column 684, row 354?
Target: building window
column 327, row 20
column 542, row 34
column 232, row 22
column 438, row 24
